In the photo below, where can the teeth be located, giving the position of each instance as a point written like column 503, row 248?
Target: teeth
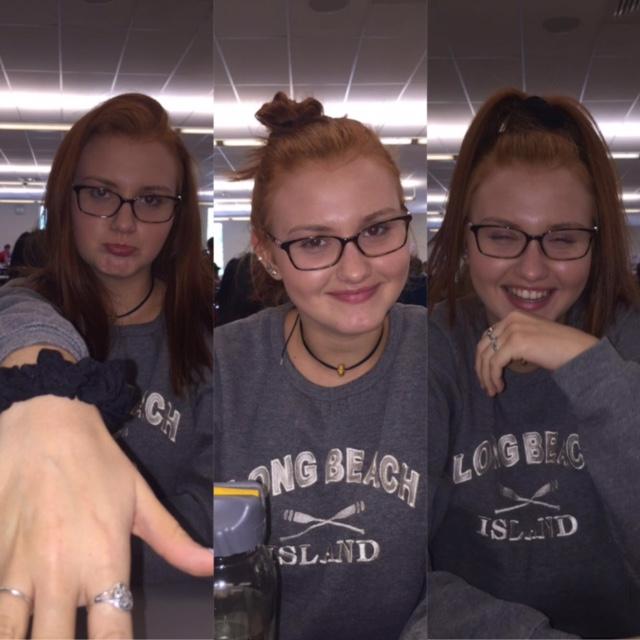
column 528, row 294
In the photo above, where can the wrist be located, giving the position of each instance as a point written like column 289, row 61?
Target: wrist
column 101, row 384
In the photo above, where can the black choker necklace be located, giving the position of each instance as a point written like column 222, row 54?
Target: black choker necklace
column 128, row 313
column 340, row 369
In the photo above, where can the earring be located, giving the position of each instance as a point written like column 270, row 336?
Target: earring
column 273, row 272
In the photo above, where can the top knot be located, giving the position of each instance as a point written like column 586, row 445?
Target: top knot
column 283, row 115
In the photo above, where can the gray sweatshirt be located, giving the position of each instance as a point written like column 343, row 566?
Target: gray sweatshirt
column 169, row 438
column 534, row 494
column 346, row 469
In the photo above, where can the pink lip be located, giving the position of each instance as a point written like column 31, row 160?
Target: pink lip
column 356, row 296
column 528, row 305
column 120, row 250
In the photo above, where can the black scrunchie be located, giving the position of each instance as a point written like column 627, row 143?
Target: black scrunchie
column 103, row 384
column 546, row 114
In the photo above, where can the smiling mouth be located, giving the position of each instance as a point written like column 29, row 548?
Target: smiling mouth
column 529, row 295
column 359, row 295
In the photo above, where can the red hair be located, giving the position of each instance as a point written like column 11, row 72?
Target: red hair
column 300, row 133
column 69, row 283
column 512, row 128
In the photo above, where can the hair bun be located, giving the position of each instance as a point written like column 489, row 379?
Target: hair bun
column 283, row 115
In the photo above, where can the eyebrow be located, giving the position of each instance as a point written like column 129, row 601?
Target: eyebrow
column 151, row 188
column 367, row 220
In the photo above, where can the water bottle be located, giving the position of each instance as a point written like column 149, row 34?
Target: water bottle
column 244, row 579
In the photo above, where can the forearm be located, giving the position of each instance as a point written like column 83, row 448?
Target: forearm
column 455, row 609
column 603, row 389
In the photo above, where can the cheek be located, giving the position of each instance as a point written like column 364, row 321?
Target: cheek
column 83, row 232
column 156, row 239
column 483, row 271
column 300, row 284
column 574, row 275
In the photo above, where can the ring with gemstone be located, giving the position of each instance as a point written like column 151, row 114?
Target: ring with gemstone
column 493, row 339
column 119, row 596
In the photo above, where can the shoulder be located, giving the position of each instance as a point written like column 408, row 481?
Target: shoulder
column 253, row 334
column 452, row 345
column 624, row 334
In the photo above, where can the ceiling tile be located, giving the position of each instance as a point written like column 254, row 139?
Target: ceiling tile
column 338, row 55
column 388, row 59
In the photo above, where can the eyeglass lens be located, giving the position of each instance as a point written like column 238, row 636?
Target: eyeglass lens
column 98, row 201
column 558, row 244
column 318, row 252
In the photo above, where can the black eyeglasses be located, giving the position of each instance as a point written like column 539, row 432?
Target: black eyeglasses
column 321, row 252
column 104, row 203
column 503, row 241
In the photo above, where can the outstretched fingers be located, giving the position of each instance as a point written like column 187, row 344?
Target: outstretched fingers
column 161, row 531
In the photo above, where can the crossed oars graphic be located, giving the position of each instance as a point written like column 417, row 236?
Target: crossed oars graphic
column 305, row 518
column 523, row 502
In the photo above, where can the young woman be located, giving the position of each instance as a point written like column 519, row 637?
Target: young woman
column 123, row 269
column 534, row 356
column 322, row 398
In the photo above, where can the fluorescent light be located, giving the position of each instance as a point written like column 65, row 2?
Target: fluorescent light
column 21, row 201
column 396, row 141
column 232, row 218
column 25, row 168
column 240, row 142
column 631, row 197
column 620, row 129
column 625, row 155
column 437, row 198
column 195, row 130
column 223, row 201
column 231, row 206
column 441, row 157
column 408, row 113
column 34, row 126
column 25, row 190
column 259, row 142
column 230, row 185
column 58, row 100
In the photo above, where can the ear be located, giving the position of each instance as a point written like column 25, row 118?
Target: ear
column 263, row 253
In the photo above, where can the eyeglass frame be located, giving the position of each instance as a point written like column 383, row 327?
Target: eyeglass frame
column 474, row 228
column 286, row 245
column 131, row 201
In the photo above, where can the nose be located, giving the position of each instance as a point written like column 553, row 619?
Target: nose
column 124, row 220
column 353, row 265
column 533, row 264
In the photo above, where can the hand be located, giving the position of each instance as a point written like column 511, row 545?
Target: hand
column 69, row 500
column 524, row 342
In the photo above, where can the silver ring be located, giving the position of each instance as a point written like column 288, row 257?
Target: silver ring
column 493, row 338
column 16, row 593
column 119, row 596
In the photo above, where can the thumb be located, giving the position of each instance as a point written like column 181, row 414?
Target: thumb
column 161, row 531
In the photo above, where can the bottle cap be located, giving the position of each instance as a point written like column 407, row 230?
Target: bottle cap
column 239, row 517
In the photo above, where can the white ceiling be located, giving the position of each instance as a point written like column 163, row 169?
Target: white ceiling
column 476, row 48
column 55, row 49
column 371, row 51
